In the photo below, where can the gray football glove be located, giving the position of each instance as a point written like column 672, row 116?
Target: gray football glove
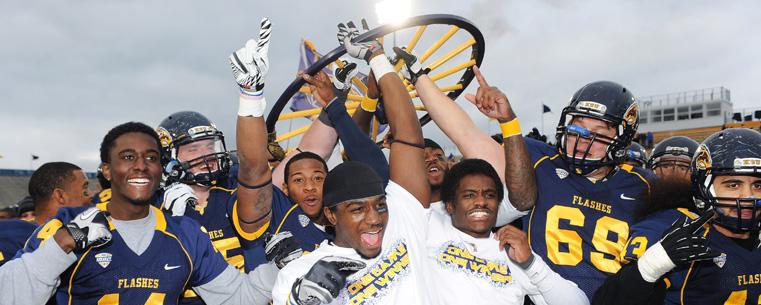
column 342, row 79
column 282, row 248
column 411, row 69
column 89, row 229
column 361, row 50
column 250, row 64
column 177, row 197
column 324, row 281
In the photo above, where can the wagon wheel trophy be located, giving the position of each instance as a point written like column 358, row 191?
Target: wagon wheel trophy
column 456, row 43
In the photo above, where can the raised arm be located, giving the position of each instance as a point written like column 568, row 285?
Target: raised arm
column 520, row 177
column 358, row 146
column 319, row 139
column 363, row 116
column 250, row 65
column 407, row 157
column 453, row 121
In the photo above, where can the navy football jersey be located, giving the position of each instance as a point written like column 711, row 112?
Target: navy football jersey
column 649, row 231
column 13, row 235
column 178, row 255
column 102, row 196
column 579, row 227
column 219, row 218
column 286, row 216
column 732, row 278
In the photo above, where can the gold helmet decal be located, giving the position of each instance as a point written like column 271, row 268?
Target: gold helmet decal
column 164, row 137
column 702, row 158
column 630, row 118
column 591, row 106
column 201, row 130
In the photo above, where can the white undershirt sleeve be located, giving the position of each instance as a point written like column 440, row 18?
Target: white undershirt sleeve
column 507, row 213
column 553, row 287
column 34, row 277
column 233, row 287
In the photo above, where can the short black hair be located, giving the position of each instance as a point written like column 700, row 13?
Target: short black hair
column 48, row 177
column 110, row 138
column 468, row 167
column 11, row 211
column 301, row 156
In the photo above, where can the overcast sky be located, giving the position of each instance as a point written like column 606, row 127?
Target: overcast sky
column 71, row 70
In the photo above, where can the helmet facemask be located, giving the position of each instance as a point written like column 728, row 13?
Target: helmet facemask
column 708, row 200
column 615, row 148
column 204, row 169
column 728, row 153
column 604, row 101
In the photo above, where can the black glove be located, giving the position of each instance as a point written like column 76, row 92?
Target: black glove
column 683, row 245
column 679, row 245
column 90, row 229
column 324, row 281
column 282, row 248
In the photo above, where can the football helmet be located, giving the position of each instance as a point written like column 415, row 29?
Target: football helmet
column 636, row 152
column 606, row 101
column 186, row 127
column 674, row 147
column 730, row 152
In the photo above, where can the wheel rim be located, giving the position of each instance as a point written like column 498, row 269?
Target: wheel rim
column 443, row 68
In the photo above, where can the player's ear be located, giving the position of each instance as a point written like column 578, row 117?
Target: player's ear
column 450, row 207
column 106, row 169
column 285, row 188
column 59, row 196
column 330, row 215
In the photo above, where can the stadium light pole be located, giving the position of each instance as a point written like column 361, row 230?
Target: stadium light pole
column 392, row 12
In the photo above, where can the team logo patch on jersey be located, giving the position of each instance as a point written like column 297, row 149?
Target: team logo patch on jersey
column 561, row 173
column 104, row 259
column 303, row 220
column 720, row 260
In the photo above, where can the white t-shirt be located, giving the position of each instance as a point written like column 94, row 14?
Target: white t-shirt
column 469, row 270
column 398, row 275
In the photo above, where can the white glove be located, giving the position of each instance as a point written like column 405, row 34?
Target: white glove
column 250, row 64
column 177, row 197
column 361, row 50
column 324, row 280
column 90, row 229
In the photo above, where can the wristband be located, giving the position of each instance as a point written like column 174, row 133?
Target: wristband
column 511, row 128
column 251, row 107
column 255, row 221
column 527, row 264
column 381, row 66
column 324, row 118
column 369, row 104
column 407, row 143
column 654, row 263
column 253, row 187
